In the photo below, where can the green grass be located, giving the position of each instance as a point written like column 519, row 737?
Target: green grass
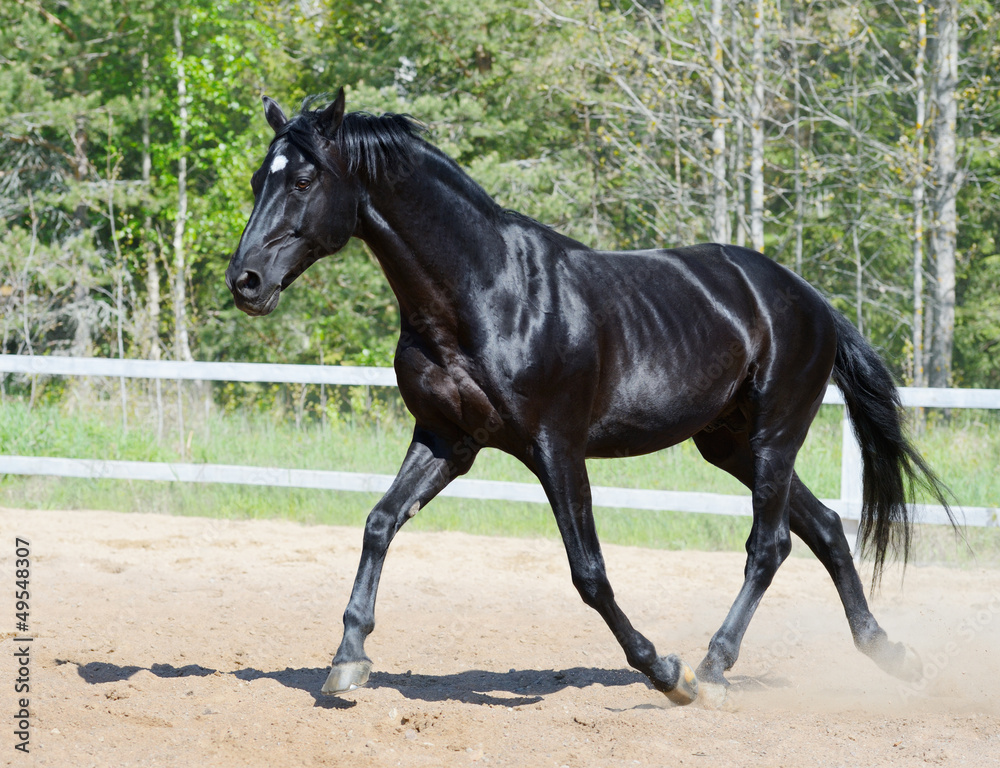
column 964, row 452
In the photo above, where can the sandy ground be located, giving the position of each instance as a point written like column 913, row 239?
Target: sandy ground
column 184, row 641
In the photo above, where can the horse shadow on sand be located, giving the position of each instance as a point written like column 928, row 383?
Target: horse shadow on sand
column 517, row 687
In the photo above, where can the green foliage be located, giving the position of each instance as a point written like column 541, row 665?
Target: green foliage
column 594, row 118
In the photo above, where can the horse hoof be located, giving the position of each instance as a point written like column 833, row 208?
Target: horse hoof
column 900, row 661
column 346, row 677
column 712, row 695
column 686, row 689
column 910, row 668
column 674, row 679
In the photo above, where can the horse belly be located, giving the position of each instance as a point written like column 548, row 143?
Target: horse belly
column 636, row 431
column 651, row 410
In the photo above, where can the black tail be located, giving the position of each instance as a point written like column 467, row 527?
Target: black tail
column 892, row 467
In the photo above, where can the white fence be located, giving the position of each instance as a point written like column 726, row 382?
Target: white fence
column 848, row 505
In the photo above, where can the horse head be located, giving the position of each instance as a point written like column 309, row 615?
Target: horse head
column 305, row 206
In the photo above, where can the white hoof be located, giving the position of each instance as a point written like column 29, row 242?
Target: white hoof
column 347, row 677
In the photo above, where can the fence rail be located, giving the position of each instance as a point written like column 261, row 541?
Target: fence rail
column 848, row 506
column 177, row 370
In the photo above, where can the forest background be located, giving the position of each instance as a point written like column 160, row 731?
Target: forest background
column 858, row 143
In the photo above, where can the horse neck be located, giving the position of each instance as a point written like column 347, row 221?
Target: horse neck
column 434, row 233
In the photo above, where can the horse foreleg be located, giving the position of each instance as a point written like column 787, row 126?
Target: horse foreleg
column 821, row 529
column 568, row 489
column 430, row 464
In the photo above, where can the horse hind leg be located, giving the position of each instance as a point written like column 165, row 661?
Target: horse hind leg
column 767, row 471
column 822, row 531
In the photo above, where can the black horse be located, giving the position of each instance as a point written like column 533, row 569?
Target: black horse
column 518, row 338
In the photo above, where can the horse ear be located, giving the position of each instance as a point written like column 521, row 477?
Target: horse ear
column 331, row 117
column 275, row 117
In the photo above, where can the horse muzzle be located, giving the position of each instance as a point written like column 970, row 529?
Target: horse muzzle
column 252, row 294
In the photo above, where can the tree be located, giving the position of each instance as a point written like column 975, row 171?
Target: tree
column 720, row 207
column 920, row 120
column 182, row 346
column 54, row 134
column 757, row 131
column 128, row 134
column 944, row 224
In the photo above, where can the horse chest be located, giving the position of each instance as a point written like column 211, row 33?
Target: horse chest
column 436, row 392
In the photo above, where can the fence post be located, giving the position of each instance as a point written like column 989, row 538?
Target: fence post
column 850, row 481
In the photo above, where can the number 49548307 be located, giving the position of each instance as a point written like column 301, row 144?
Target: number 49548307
column 22, row 575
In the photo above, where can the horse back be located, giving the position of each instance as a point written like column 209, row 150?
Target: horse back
column 695, row 337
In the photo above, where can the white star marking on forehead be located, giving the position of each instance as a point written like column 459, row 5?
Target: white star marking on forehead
column 279, row 162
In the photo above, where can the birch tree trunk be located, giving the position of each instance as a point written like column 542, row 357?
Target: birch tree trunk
column 680, row 216
column 151, row 333
column 944, row 225
column 739, row 179
column 738, row 158
column 757, row 131
column 798, row 169
column 720, row 213
column 919, row 377
column 82, row 345
column 151, row 336
column 859, row 264
column 182, row 348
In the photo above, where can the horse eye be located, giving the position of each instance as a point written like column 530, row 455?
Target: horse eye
column 302, row 184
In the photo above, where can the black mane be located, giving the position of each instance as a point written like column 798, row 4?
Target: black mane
column 379, row 147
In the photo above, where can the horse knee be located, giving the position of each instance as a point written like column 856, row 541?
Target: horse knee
column 767, row 563
column 382, row 525
column 593, row 586
column 765, row 555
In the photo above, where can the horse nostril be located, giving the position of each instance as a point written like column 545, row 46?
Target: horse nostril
column 248, row 283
